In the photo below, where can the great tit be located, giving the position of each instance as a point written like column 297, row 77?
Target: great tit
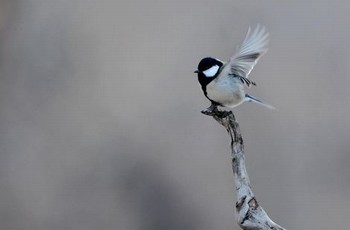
column 224, row 83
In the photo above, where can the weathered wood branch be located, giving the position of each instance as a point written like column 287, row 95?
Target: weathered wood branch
column 250, row 215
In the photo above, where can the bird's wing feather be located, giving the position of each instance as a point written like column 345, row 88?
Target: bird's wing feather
column 248, row 54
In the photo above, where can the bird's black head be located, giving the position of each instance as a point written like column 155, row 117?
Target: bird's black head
column 209, row 67
column 207, row 70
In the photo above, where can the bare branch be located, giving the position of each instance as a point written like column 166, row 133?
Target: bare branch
column 250, row 215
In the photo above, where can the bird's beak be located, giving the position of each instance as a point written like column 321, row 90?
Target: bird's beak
column 196, row 71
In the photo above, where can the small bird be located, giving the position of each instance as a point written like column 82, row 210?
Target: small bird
column 224, row 83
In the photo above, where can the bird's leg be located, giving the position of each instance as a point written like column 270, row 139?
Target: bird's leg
column 212, row 110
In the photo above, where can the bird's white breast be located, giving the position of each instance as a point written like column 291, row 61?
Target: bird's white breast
column 227, row 91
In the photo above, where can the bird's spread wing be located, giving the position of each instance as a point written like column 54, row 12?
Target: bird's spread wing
column 248, row 54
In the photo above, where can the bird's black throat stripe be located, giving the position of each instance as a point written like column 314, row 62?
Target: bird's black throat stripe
column 204, row 81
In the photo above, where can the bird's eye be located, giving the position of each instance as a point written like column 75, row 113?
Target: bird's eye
column 212, row 71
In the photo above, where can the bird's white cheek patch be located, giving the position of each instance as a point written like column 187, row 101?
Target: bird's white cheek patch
column 211, row 71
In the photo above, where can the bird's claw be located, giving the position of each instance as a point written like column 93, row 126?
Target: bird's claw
column 207, row 112
column 213, row 111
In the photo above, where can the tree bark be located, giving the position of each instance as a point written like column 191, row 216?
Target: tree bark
column 250, row 215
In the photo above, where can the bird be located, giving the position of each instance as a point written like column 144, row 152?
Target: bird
column 224, row 83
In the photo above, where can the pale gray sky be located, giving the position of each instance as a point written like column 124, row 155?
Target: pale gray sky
column 100, row 114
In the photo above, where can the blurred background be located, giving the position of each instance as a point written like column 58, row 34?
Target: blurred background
column 100, row 123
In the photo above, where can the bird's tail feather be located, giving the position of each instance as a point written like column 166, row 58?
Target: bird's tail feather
column 258, row 101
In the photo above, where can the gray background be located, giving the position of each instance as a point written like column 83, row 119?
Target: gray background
column 100, row 124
